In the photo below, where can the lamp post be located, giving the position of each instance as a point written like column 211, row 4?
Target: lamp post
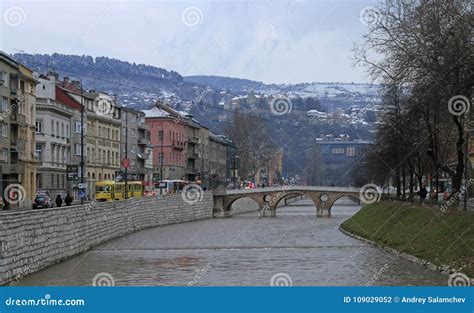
column 81, row 164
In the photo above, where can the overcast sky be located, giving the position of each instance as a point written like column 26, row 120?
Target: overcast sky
column 271, row 41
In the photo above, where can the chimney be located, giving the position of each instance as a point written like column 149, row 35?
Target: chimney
column 66, row 79
column 76, row 84
column 52, row 74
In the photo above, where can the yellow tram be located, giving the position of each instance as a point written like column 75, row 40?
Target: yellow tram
column 109, row 190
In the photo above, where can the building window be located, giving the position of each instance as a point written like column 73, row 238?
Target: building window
column 351, row 151
column 160, row 135
column 39, row 126
column 3, row 79
column 52, row 128
column 78, row 128
column 133, row 131
column 39, row 180
column 62, row 130
column 4, row 155
column 134, row 148
column 337, row 150
column 39, row 152
column 4, row 129
column 77, row 149
column 4, row 104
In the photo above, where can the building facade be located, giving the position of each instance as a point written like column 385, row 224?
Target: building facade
column 55, row 112
column 134, row 143
column 17, row 127
column 168, row 139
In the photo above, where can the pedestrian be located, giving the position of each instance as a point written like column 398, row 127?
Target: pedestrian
column 68, row 200
column 423, row 192
column 59, row 201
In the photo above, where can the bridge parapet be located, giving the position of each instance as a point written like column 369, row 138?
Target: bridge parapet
column 269, row 198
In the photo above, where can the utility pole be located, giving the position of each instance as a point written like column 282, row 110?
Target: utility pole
column 126, row 154
column 161, row 158
column 82, row 142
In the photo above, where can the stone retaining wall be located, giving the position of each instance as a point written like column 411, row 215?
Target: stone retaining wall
column 32, row 240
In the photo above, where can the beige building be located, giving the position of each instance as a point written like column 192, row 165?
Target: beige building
column 17, row 130
column 103, row 139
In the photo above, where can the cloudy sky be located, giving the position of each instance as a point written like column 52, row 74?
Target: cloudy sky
column 272, row 41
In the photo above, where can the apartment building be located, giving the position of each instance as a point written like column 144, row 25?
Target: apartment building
column 17, row 127
column 168, row 139
column 135, row 140
column 56, row 112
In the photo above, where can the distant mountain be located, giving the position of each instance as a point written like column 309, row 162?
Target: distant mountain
column 135, row 85
column 225, row 83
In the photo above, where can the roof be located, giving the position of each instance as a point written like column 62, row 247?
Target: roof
column 155, row 112
column 64, row 98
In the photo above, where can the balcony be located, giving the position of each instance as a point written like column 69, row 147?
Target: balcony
column 17, row 119
column 17, row 168
column 193, row 140
column 143, row 141
column 192, row 155
column 179, row 145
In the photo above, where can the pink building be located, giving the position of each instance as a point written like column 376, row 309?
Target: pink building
column 168, row 138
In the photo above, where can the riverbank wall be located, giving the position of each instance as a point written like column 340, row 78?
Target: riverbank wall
column 442, row 241
column 32, row 240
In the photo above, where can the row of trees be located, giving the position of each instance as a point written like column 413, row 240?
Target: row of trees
column 422, row 52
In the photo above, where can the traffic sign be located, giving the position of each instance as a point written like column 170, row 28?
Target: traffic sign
column 82, row 194
column 126, row 163
column 72, row 172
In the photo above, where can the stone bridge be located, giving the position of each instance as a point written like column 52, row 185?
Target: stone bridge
column 268, row 199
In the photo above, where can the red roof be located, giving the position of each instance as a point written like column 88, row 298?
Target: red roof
column 64, row 98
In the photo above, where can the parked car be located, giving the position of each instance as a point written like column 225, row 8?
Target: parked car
column 42, row 202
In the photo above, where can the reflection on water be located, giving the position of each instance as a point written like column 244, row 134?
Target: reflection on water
column 242, row 250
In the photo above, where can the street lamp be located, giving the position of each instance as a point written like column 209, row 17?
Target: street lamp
column 81, row 164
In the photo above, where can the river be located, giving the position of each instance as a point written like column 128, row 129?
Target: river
column 294, row 248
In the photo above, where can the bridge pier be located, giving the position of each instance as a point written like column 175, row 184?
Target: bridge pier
column 268, row 213
column 323, row 212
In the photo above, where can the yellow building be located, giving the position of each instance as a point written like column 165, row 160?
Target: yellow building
column 102, row 139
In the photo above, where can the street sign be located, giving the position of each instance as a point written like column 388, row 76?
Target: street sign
column 125, row 163
column 82, row 185
column 82, row 194
column 72, row 172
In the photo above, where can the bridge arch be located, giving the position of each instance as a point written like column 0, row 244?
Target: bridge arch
column 231, row 209
column 289, row 195
column 333, row 199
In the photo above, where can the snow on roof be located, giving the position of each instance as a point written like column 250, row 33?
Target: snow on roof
column 155, row 112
